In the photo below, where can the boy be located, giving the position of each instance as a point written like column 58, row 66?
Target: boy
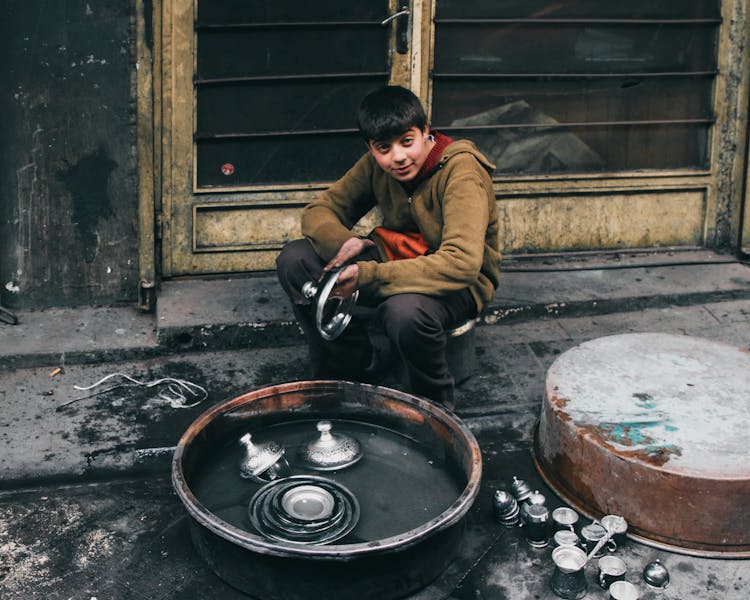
column 431, row 266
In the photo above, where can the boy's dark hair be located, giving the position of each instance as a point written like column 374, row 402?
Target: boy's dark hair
column 388, row 112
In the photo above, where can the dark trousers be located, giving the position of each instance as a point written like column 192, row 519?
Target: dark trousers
column 415, row 324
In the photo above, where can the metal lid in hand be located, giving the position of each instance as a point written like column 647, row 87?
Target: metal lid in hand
column 332, row 314
column 259, row 458
column 656, row 575
column 331, row 451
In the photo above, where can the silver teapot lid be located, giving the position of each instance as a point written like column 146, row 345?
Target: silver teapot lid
column 656, row 575
column 259, row 457
column 504, row 501
column 536, row 497
column 520, row 489
column 330, row 451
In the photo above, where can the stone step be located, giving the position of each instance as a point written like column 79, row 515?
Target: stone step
column 253, row 312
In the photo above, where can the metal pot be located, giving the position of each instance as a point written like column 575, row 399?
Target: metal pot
column 386, row 568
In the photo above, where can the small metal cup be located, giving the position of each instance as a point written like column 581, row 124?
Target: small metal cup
column 565, row 537
column 590, row 536
column 619, row 525
column 611, row 569
column 536, row 525
column 568, row 579
column 564, row 518
column 623, row 590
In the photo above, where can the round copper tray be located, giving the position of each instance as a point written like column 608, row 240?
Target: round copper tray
column 656, row 428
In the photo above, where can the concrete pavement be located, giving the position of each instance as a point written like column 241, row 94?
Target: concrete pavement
column 86, row 507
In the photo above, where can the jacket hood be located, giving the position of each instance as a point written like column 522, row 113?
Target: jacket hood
column 465, row 146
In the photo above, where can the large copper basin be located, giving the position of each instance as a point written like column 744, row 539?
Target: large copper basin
column 383, row 568
column 653, row 427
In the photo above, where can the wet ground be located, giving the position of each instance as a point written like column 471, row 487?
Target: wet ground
column 86, row 504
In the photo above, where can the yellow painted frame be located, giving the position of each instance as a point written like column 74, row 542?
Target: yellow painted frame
column 532, row 207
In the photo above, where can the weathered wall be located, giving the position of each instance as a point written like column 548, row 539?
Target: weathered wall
column 68, row 189
column 730, row 148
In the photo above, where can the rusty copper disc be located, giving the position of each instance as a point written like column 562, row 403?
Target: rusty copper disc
column 656, row 428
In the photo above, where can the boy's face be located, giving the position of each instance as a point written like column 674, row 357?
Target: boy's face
column 404, row 155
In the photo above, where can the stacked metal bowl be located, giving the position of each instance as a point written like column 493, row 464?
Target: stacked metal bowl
column 304, row 509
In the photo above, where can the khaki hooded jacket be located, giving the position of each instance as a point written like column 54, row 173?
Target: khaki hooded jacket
column 454, row 209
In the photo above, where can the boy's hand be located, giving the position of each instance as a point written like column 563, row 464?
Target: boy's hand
column 349, row 277
column 347, row 282
column 350, row 249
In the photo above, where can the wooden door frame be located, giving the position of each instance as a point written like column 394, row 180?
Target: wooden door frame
column 164, row 137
